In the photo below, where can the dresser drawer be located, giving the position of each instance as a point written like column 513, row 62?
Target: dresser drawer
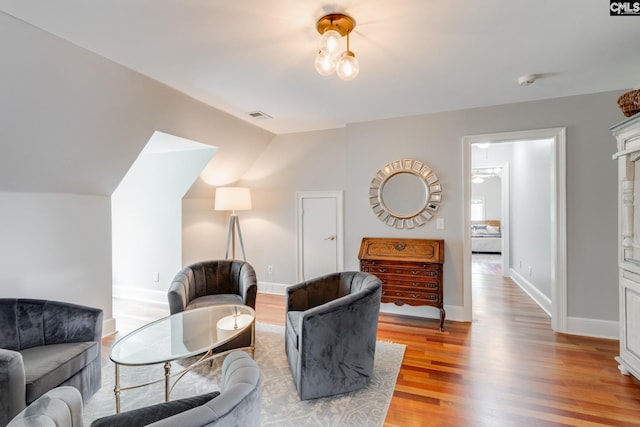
column 401, row 269
column 409, row 285
column 412, row 298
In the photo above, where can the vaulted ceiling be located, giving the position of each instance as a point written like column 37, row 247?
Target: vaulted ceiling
column 416, row 56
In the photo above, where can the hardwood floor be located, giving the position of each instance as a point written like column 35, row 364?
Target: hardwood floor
column 507, row 368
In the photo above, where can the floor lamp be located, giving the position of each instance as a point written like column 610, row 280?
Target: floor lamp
column 233, row 199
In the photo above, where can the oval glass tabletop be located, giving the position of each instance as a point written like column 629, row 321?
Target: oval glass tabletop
column 182, row 335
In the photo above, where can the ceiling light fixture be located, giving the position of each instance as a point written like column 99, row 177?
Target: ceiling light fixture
column 331, row 57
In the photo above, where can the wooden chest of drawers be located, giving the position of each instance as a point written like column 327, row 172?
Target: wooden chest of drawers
column 410, row 270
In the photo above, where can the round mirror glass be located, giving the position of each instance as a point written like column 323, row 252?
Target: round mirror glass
column 404, row 194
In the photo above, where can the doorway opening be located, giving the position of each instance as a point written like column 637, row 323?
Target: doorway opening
column 536, row 198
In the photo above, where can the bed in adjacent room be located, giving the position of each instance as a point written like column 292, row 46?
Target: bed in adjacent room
column 486, row 236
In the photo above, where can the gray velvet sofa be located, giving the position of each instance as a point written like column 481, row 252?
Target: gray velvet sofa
column 237, row 403
column 331, row 327
column 215, row 282
column 45, row 344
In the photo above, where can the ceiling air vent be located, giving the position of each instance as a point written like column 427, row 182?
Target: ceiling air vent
column 259, row 115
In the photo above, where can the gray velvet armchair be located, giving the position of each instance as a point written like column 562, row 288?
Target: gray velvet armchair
column 237, row 403
column 331, row 327
column 45, row 344
column 215, row 282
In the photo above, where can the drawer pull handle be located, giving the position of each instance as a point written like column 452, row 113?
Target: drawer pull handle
column 399, row 246
column 382, row 270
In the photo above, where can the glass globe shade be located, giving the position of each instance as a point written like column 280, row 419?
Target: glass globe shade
column 325, row 64
column 330, row 42
column 347, row 66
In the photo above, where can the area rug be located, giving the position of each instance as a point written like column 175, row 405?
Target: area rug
column 280, row 403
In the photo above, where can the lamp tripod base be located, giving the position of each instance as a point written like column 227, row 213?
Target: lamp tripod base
column 234, row 224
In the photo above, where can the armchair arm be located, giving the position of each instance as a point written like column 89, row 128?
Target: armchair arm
column 12, row 385
column 178, row 293
column 61, row 406
column 248, row 285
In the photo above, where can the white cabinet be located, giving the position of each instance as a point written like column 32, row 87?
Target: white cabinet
column 627, row 134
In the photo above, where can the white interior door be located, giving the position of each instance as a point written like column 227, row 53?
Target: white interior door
column 320, row 237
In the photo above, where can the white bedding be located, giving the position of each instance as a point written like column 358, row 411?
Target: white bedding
column 486, row 244
column 486, row 238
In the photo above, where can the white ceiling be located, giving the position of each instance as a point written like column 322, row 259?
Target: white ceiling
column 416, row 56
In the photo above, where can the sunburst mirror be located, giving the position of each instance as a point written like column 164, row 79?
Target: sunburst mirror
column 405, row 193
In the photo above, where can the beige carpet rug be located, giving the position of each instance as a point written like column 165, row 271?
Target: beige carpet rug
column 280, row 403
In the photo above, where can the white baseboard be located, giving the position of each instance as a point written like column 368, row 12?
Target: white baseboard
column 452, row 312
column 593, row 328
column 538, row 297
column 152, row 296
column 108, row 327
column 272, row 288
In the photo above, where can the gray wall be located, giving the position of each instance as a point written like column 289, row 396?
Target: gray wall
column 71, row 125
column 436, row 139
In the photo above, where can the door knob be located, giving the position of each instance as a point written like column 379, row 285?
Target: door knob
column 332, row 237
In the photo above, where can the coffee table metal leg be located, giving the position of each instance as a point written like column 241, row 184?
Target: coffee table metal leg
column 167, row 380
column 253, row 339
column 116, row 389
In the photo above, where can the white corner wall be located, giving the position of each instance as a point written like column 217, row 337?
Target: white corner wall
column 147, row 221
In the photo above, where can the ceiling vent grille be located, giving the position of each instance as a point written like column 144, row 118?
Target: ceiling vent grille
column 259, row 115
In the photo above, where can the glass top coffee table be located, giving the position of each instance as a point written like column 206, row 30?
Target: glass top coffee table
column 179, row 336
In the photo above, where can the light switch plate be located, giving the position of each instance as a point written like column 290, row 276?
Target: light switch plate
column 440, row 223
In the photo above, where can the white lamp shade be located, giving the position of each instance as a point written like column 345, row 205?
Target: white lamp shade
column 232, row 199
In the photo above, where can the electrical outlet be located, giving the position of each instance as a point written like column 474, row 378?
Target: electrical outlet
column 270, row 269
column 156, row 276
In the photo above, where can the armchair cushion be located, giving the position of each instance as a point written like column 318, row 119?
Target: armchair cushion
column 49, row 366
column 209, row 300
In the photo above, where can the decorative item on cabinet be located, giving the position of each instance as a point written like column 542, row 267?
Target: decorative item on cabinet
column 410, row 270
column 629, row 102
column 627, row 134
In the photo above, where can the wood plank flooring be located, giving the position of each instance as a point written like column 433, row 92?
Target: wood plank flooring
column 506, row 368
